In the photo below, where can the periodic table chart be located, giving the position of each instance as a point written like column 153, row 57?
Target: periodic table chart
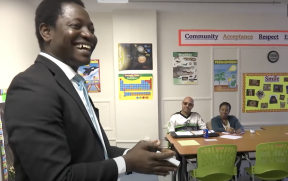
column 135, row 86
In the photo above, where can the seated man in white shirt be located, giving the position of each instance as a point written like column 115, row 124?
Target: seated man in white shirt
column 185, row 120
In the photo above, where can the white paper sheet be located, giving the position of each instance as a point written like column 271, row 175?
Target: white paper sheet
column 232, row 133
column 198, row 132
column 180, row 133
column 230, row 137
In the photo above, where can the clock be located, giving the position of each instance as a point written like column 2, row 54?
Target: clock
column 273, row 56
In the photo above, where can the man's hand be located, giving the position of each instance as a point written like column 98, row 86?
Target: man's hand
column 238, row 131
column 157, row 142
column 142, row 158
column 230, row 130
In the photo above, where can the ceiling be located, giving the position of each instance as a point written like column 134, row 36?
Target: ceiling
column 211, row 1
column 268, row 7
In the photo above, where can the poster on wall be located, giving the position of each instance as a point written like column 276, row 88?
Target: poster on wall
column 185, row 68
column 91, row 74
column 265, row 92
column 5, row 167
column 135, row 56
column 135, row 86
column 8, row 171
column 225, row 76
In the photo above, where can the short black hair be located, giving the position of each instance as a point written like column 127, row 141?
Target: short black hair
column 47, row 12
column 225, row 104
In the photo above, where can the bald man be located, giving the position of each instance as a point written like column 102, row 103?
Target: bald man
column 185, row 120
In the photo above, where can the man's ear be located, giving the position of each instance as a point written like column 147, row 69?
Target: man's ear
column 45, row 32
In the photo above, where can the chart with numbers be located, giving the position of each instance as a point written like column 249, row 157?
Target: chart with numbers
column 135, row 86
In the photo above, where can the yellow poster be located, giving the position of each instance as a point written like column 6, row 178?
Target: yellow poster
column 135, row 86
column 265, row 92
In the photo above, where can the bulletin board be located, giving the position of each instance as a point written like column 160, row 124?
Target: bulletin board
column 265, row 92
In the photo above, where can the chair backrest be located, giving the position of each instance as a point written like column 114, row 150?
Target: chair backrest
column 272, row 153
column 216, row 155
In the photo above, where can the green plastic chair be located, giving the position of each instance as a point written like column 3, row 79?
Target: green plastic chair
column 190, row 159
column 271, row 161
column 216, row 162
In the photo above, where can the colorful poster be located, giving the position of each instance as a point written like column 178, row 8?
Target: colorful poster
column 135, row 56
column 135, row 86
column 225, row 76
column 8, row 171
column 3, row 95
column 91, row 74
column 265, row 92
column 185, row 68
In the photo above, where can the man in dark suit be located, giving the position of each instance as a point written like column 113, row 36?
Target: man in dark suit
column 53, row 127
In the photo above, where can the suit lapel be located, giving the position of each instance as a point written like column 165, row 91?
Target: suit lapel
column 66, row 84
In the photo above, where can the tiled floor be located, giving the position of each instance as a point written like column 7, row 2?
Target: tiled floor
column 245, row 177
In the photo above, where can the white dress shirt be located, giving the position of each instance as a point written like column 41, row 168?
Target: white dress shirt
column 70, row 73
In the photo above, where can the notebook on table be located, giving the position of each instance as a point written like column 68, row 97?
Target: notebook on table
column 193, row 134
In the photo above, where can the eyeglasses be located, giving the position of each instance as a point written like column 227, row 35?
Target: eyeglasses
column 189, row 104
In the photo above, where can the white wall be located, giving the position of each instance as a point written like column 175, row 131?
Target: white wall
column 251, row 59
column 104, row 100
column 171, row 96
column 18, row 47
column 255, row 60
column 135, row 119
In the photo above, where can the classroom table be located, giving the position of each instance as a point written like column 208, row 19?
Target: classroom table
column 247, row 143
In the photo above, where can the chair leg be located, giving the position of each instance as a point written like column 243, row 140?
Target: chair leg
column 244, row 174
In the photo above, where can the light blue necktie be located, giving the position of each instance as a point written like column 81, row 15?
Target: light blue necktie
column 81, row 85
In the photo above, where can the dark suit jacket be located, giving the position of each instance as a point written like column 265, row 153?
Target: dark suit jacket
column 50, row 132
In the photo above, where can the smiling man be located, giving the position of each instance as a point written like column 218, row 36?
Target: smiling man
column 185, row 120
column 53, row 127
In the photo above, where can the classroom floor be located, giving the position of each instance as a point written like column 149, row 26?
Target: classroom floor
column 245, row 177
